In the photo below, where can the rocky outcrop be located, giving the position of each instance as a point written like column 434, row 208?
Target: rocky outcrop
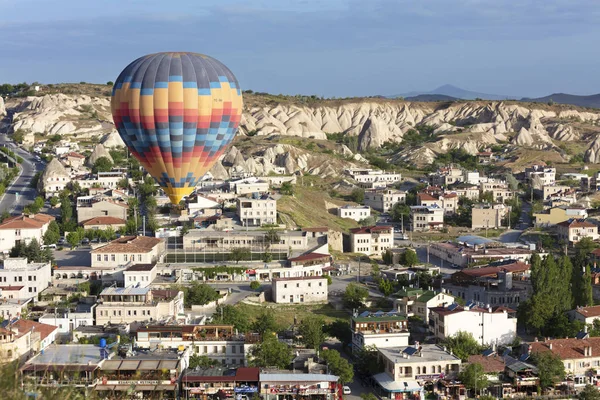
column 99, row 152
column 2, row 107
column 218, row 171
column 54, row 171
column 592, row 154
column 112, row 139
column 564, row 133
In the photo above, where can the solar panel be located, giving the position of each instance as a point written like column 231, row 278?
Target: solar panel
column 452, row 307
column 364, row 314
column 582, row 335
column 410, row 351
column 470, row 304
column 488, row 352
column 378, row 313
column 524, row 357
column 506, row 352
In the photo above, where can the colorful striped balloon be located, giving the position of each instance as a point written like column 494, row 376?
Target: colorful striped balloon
column 176, row 112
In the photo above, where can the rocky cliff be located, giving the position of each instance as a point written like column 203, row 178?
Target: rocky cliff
column 373, row 122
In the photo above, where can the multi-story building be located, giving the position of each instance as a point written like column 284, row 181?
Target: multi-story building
column 308, row 289
column 24, row 337
column 205, row 241
column 102, row 179
column 356, row 213
column 446, row 176
column 34, row 277
column 586, row 315
column 408, row 369
column 89, row 207
column 384, row 200
column 556, row 215
column 448, row 202
column 218, row 342
column 465, row 190
column 127, row 305
column 485, row 157
column 426, row 218
column 461, row 255
column 505, row 284
column 54, row 179
column 417, row 302
column 382, row 329
column 486, row 215
column 371, row 240
column 74, row 160
column 12, row 308
column 540, row 176
column 591, row 183
column 22, row 229
column 374, row 176
column 248, row 186
column 573, row 230
column 579, row 356
column 551, row 190
column 103, row 223
column 67, row 322
column 127, row 251
column 242, row 384
column 489, row 326
column 288, row 385
column 257, row 210
column 140, row 275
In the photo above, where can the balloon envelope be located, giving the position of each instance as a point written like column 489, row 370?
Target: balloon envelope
column 176, row 112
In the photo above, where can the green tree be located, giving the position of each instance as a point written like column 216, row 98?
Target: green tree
column 369, row 221
column 102, row 164
column 550, row 368
column 585, row 246
column 357, row 195
column 265, row 323
column 311, row 330
column 238, row 254
column 231, row 315
column 73, row 239
column 198, row 294
column 354, row 296
column 463, row 345
column 473, row 377
column 255, row 285
column 52, row 235
column 367, row 361
column 386, row 287
column 123, row 183
column 271, row 237
column 329, row 280
column 54, row 201
column 388, row 257
column 409, row 258
column 338, row 366
column 287, row 189
column 341, row 331
column 18, row 136
column 271, row 353
column 487, row 197
column 512, row 182
column 400, row 211
column 202, row 361
column 589, row 392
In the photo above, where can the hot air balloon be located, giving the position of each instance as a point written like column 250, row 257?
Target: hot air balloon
column 176, row 112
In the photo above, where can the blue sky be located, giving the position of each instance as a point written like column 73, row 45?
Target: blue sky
column 323, row 47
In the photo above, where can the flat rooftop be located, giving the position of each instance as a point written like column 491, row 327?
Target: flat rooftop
column 429, row 352
column 83, row 354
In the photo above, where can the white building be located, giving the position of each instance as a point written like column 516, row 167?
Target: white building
column 22, row 229
column 425, row 218
column 489, row 326
column 418, row 302
column 371, row 240
column 366, row 175
column 257, row 210
column 11, row 308
column 69, row 321
column 382, row 329
column 574, row 230
column 540, row 176
column 586, row 315
column 310, row 289
column 486, row 215
column 35, row 277
column 140, row 275
column 127, row 251
column 384, row 200
column 248, row 186
column 356, row 213
column 127, row 305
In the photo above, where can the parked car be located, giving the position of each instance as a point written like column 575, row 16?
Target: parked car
column 85, row 241
column 347, row 390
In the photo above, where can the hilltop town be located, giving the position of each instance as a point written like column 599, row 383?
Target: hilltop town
column 340, row 248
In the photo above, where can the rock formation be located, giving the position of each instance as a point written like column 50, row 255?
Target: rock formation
column 592, row 154
column 112, row 139
column 99, row 151
column 54, row 171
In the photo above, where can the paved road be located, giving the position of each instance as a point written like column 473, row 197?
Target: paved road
column 19, row 193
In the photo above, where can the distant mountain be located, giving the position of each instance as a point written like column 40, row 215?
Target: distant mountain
column 458, row 93
column 592, row 101
column 430, row 97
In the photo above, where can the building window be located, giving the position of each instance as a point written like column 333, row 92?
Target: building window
column 113, row 257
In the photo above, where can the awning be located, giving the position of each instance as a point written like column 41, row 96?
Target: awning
column 166, row 387
column 404, row 385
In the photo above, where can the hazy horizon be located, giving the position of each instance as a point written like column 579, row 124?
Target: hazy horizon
column 329, row 48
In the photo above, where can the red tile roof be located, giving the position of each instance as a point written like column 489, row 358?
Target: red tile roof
column 576, row 223
column 490, row 364
column 517, row 266
column 426, row 197
column 568, row 349
column 370, row 229
column 36, row 221
column 129, row 244
column 450, row 195
column 25, row 325
column 11, row 287
column 74, row 155
column 589, row 312
column 104, row 221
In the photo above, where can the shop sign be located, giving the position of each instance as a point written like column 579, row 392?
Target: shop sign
column 430, row 377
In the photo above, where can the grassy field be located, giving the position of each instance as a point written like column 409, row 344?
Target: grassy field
column 285, row 313
column 307, row 208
